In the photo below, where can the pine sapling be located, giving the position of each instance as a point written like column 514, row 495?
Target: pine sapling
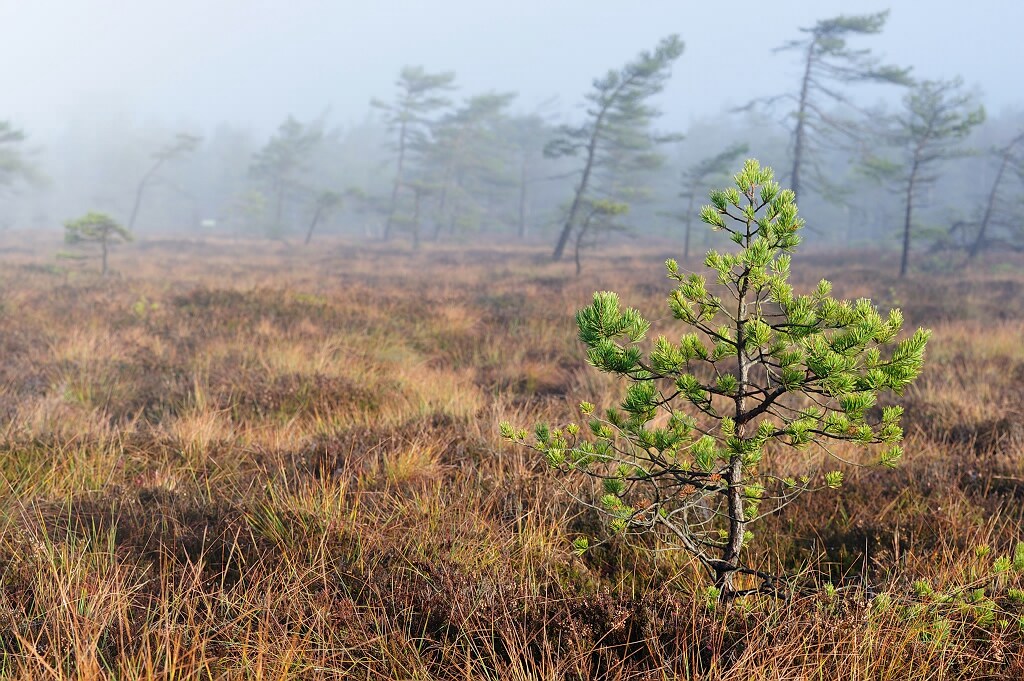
column 691, row 454
column 97, row 228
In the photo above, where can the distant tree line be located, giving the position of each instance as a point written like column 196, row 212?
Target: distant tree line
column 933, row 178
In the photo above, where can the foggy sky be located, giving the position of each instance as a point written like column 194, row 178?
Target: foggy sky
column 253, row 62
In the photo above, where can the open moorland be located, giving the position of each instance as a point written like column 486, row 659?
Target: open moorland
column 256, row 461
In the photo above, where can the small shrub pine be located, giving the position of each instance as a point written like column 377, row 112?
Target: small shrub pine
column 96, row 228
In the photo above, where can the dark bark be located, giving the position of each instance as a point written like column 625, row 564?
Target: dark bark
column 979, row 239
column 442, row 203
column 725, row 572
column 580, row 234
column 588, row 168
column 577, row 200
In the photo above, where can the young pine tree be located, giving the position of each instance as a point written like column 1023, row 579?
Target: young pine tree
column 96, row 228
column 937, row 116
column 326, row 202
column 692, row 451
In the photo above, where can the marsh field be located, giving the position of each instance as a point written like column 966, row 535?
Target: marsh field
column 259, row 461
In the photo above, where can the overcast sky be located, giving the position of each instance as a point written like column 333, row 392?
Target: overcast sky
column 253, row 62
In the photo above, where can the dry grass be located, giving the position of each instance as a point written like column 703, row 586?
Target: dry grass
column 261, row 462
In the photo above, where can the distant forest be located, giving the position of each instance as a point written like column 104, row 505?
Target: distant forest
column 929, row 172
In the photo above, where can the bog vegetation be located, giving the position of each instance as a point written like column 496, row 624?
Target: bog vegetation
column 264, row 463
column 255, row 432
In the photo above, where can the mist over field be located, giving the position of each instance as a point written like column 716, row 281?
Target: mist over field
column 563, row 341
column 101, row 86
column 253, row 63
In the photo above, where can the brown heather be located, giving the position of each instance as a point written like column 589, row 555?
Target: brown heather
column 260, row 462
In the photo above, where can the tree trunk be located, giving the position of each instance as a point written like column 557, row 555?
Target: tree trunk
column 438, row 225
column 579, row 246
column 734, row 474
column 138, row 193
column 1005, row 156
column 439, row 220
column 312, row 225
column 103, row 256
column 138, row 202
column 523, row 173
column 563, row 238
column 456, row 204
column 581, row 190
column 441, row 204
column 908, row 217
column 397, row 184
column 979, row 240
column 800, row 133
column 416, row 222
column 279, row 206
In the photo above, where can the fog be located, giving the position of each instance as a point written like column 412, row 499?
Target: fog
column 98, row 86
column 254, row 62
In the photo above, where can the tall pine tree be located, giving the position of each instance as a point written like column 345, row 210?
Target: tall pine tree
column 616, row 137
column 281, row 163
column 420, row 96
column 470, row 156
column 182, row 145
column 827, row 64
column 937, row 116
column 1008, row 157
